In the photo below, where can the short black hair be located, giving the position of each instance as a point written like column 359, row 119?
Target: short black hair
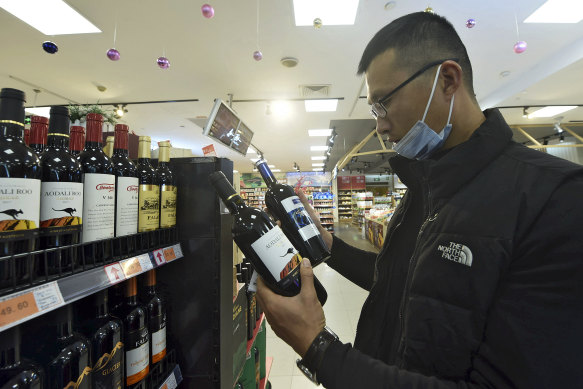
column 419, row 38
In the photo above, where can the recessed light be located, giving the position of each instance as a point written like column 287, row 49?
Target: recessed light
column 505, row 73
column 235, row 171
column 280, row 108
column 276, row 170
column 51, row 17
column 332, row 12
column 321, row 132
column 318, row 158
column 317, row 164
column 323, row 105
column 390, row 5
column 557, row 11
column 318, row 148
column 551, row 111
column 289, row 62
column 271, row 166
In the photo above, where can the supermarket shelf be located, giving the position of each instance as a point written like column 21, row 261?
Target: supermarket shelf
column 255, row 332
column 268, row 363
column 173, row 380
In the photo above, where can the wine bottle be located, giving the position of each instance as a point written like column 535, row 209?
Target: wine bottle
column 38, row 133
column 108, row 149
column 105, row 333
column 61, row 195
column 126, row 184
column 98, row 185
column 285, row 205
column 19, row 190
column 168, row 188
column 257, row 367
column 27, row 136
column 136, row 335
column 17, row 373
column 251, row 307
column 77, row 142
column 263, row 243
column 149, row 189
column 156, row 319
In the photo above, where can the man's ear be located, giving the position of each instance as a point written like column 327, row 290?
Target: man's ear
column 452, row 76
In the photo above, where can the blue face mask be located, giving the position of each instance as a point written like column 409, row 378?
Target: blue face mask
column 421, row 141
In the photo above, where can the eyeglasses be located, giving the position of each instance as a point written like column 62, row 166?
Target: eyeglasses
column 378, row 109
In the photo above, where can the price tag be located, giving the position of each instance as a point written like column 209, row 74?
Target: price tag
column 178, row 251
column 131, row 266
column 21, row 306
column 159, row 257
column 170, row 382
column 114, row 273
column 169, row 254
column 145, row 262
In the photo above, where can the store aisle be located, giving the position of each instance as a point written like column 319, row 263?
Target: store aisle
column 342, row 312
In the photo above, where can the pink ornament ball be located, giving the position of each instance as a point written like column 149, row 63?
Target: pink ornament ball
column 257, row 55
column 207, row 11
column 163, row 62
column 520, row 47
column 113, row 54
column 470, row 23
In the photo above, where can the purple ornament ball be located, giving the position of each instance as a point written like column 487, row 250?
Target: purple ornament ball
column 207, row 11
column 257, row 55
column 50, row 47
column 163, row 62
column 470, row 23
column 520, row 47
column 113, row 54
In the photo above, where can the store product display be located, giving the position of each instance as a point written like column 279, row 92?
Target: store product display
column 262, row 242
column 15, row 372
column 126, row 184
column 168, row 189
column 77, row 141
column 149, row 189
column 156, row 318
column 38, row 133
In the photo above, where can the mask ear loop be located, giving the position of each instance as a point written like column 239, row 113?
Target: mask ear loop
column 450, row 109
column 432, row 92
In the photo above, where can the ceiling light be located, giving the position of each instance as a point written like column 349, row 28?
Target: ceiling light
column 390, row 5
column 42, row 111
column 289, row 62
column 323, row 105
column 558, row 128
column 317, row 164
column 332, row 12
column 551, row 111
column 318, row 169
column 254, row 159
column 318, row 158
column 235, row 171
column 51, row 17
column 322, row 132
column 318, row 148
column 271, row 166
column 251, row 151
column 557, row 11
column 280, row 108
column 276, row 170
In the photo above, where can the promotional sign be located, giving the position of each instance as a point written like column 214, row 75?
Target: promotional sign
column 309, row 178
column 209, row 151
column 344, row 182
column 358, row 182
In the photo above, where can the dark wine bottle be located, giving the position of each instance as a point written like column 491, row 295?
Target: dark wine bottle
column 19, row 191
column 38, row 133
column 61, row 195
column 27, row 136
column 298, row 226
column 156, row 318
column 106, row 335
column 264, row 243
column 17, row 373
column 136, row 336
column 257, row 367
column 98, row 185
column 168, row 188
column 251, row 307
column 77, row 143
column 126, row 184
column 149, row 190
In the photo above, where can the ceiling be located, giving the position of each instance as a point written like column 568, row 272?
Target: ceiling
column 211, row 58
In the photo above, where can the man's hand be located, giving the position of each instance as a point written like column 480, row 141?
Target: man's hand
column 296, row 320
column 326, row 235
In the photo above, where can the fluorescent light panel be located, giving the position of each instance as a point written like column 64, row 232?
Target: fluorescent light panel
column 43, row 111
column 317, row 164
column 318, row 158
column 324, row 105
column 557, row 11
column 254, row 159
column 251, row 151
column 548, row 112
column 331, row 12
column 322, row 132
column 317, row 169
column 271, row 166
column 318, row 148
column 51, row 17
column 276, row 170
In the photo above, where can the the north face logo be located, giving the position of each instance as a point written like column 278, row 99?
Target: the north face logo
column 456, row 252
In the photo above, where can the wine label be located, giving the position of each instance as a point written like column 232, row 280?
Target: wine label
column 149, row 208
column 137, row 356
column 299, row 216
column 98, row 206
column 61, row 205
column 108, row 371
column 83, row 382
column 19, row 206
column 159, row 345
column 167, row 206
column 277, row 253
column 126, row 203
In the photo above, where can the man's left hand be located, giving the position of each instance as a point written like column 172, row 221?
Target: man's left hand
column 296, row 320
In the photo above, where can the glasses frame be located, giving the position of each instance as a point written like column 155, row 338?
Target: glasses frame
column 378, row 109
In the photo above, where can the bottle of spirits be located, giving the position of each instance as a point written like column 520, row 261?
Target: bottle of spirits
column 156, row 318
column 108, row 149
column 126, row 184
column 168, row 189
column 38, row 133
column 77, row 143
column 15, row 372
column 149, row 189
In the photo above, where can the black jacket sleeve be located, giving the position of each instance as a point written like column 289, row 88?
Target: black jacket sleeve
column 355, row 264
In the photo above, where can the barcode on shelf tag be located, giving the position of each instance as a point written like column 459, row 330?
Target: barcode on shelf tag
column 114, row 273
column 159, row 257
column 170, row 382
column 145, row 262
column 178, row 251
column 21, row 306
column 131, row 266
column 169, row 254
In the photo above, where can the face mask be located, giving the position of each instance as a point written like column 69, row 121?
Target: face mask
column 421, row 141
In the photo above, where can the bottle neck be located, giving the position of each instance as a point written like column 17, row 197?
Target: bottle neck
column 121, row 141
column 65, row 328
column 38, row 133
column 144, row 151
column 11, row 129
column 10, row 347
column 121, row 152
column 131, row 294
column 94, row 132
column 58, row 141
column 101, row 304
column 266, row 174
column 235, row 204
column 164, row 156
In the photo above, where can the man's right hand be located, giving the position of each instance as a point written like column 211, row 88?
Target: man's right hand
column 326, row 235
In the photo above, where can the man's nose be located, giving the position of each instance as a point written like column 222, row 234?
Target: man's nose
column 383, row 126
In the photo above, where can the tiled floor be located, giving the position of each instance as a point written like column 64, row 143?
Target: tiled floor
column 342, row 310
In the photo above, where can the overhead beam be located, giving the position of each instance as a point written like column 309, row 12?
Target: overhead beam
column 354, row 150
column 577, row 136
column 528, row 136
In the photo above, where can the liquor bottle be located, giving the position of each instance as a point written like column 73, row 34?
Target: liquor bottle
column 105, row 333
column 27, row 136
column 149, row 189
column 38, row 133
column 17, row 373
column 98, row 185
column 273, row 256
column 108, row 149
column 136, row 335
column 168, row 189
column 257, row 367
column 285, row 205
column 156, row 319
column 61, row 195
column 77, row 142
column 126, row 184
column 251, row 307
column 19, row 190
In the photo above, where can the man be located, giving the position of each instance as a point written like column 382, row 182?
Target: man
column 480, row 280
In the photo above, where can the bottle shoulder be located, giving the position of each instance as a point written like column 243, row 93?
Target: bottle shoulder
column 18, row 160
column 95, row 161
column 123, row 166
column 59, row 165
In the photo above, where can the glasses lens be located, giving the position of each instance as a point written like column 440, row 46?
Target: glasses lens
column 377, row 111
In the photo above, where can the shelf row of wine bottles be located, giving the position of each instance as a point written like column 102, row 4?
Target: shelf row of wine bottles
column 244, row 275
column 111, row 339
column 62, row 197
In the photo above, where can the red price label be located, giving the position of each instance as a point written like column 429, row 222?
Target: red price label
column 169, row 254
column 159, row 257
column 131, row 266
column 17, row 308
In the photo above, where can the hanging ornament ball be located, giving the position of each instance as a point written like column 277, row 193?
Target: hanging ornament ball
column 317, row 23
column 50, row 47
column 163, row 62
column 113, row 54
column 207, row 11
column 470, row 23
column 257, row 55
column 429, row 10
column 520, row 47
